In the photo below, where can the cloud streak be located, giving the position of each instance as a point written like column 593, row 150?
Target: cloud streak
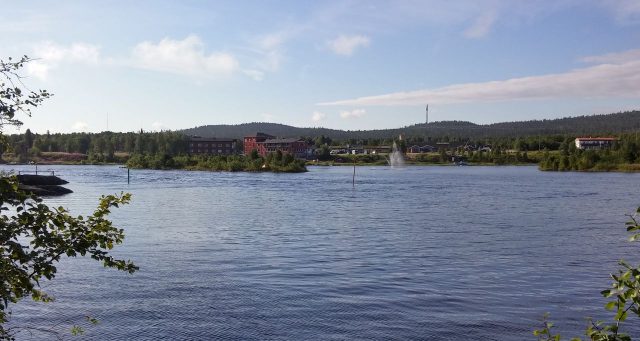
column 481, row 27
column 356, row 113
column 619, row 78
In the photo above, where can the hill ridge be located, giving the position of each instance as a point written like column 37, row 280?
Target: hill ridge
column 577, row 125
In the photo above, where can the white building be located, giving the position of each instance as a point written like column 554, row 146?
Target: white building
column 594, row 142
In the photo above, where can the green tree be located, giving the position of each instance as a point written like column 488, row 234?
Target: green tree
column 254, row 155
column 28, row 138
column 35, row 237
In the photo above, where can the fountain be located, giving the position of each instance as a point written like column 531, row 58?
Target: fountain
column 396, row 160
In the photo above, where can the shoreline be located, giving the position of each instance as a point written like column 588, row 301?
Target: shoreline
column 623, row 168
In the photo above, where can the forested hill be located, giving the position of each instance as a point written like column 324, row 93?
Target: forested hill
column 580, row 125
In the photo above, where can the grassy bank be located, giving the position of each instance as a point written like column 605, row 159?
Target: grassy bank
column 275, row 162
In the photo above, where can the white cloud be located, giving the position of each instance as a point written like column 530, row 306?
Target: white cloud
column 183, row 57
column 356, row 113
column 158, row 126
column 619, row 80
column 346, row 45
column 49, row 55
column 318, row 116
column 269, row 51
column 481, row 27
column 80, row 126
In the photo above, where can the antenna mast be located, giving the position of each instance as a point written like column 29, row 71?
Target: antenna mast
column 427, row 122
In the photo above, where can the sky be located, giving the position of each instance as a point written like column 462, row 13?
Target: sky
column 158, row 65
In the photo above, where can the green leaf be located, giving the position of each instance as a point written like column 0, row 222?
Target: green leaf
column 610, row 305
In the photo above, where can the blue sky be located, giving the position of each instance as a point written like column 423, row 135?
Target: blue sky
column 339, row 64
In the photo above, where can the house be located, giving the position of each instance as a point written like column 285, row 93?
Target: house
column 265, row 144
column 421, row 149
column 442, row 145
column 212, row 146
column 378, row 149
column 594, row 142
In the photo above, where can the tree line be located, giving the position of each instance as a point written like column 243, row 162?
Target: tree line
column 110, row 147
column 624, row 154
column 100, row 147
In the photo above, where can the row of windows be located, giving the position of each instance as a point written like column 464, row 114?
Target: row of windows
column 227, row 145
column 219, row 151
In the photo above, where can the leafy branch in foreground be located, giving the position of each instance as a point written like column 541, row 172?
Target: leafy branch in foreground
column 34, row 238
column 13, row 98
column 625, row 292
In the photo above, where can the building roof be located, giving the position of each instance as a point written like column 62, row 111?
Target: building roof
column 210, row 139
column 289, row 140
column 596, row 138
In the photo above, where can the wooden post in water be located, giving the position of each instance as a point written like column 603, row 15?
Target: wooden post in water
column 353, row 181
column 128, row 176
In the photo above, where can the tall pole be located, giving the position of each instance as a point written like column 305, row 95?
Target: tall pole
column 426, row 129
column 427, row 121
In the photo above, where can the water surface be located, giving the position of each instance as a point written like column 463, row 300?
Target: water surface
column 450, row 253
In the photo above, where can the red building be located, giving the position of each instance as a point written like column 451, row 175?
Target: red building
column 265, row 144
column 256, row 142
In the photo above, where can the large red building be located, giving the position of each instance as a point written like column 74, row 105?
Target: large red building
column 256, row 142
column 265, row 144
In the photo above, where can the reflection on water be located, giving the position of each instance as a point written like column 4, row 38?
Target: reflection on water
column 426, row 252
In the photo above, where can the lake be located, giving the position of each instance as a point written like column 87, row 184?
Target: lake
column 448, row 253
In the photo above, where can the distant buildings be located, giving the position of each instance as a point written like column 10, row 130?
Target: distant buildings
column 594, row 142
column 421, row 149
column 212, row 146
column 338, row 150
column 265, row 143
